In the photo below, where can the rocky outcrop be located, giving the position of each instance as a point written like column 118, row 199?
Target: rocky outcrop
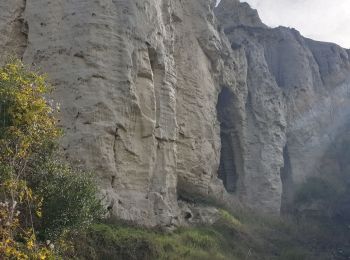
column 13, row 29
column 138, row 83
column 167, row 104
column 298, row 85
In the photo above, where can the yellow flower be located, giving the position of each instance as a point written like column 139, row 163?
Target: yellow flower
column 30, row 244
column 4, row 76
column 38, row 213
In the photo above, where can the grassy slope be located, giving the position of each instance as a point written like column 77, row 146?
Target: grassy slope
column 246, row 236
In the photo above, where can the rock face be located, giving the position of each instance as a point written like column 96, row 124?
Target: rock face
column 13, row 28
column 138, row 83
column 167, row 101
column 299, row 100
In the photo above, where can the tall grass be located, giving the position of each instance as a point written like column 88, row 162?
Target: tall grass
column 240, row 235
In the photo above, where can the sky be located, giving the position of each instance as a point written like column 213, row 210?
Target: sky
column 324, row 20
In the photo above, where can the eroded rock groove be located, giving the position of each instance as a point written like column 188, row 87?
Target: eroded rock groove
column 227, row 169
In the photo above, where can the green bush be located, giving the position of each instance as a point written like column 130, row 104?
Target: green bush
column 70, row 198
column 38, row 193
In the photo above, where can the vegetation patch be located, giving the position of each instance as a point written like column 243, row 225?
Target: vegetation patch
column 41, row 198
column 244, row 235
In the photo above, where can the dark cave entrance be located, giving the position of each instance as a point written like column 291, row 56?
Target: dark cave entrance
column 227, row 169
column 287, row 183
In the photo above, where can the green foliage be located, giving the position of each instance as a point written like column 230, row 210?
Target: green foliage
column 104, row 241
column 228, row 219
column 70, row 200
column 38, row 194
column 27, row 125
column 27, row 119
column 244, row 235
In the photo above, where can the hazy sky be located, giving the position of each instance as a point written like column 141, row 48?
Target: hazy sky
column 325, row 20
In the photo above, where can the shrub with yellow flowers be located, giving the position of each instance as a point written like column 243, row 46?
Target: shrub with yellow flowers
column 31, row 176
column 27, row 125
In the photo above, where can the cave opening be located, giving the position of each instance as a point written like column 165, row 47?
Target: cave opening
column 287, row 183
column 225, row 110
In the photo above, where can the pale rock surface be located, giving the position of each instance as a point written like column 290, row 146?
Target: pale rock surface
column 309, row 84
column 166, row 108
column 264, row 135
column 199, row 214
column 138, row 83
column 13, row 29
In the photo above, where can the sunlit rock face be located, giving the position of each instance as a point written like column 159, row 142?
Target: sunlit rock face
column 166, row 101
column 138, row 82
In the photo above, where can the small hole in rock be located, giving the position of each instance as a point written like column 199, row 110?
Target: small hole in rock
column 188, row 215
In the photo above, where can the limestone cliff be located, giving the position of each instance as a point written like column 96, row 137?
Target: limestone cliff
column 305, row 82
column 138, row 83
column 166, row 103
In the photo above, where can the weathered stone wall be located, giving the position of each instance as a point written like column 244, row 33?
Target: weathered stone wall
column 161, row 100
column 299, row 101
column 138, row 83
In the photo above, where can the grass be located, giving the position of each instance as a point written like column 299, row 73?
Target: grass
column 120, row 242
column 244, row 235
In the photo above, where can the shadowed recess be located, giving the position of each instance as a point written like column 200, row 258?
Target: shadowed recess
column 227, row 169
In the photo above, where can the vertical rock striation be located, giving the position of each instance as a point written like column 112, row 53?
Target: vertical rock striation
column 299, row 101
column 138, row 83
column 265, row 114
column 165, row 103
